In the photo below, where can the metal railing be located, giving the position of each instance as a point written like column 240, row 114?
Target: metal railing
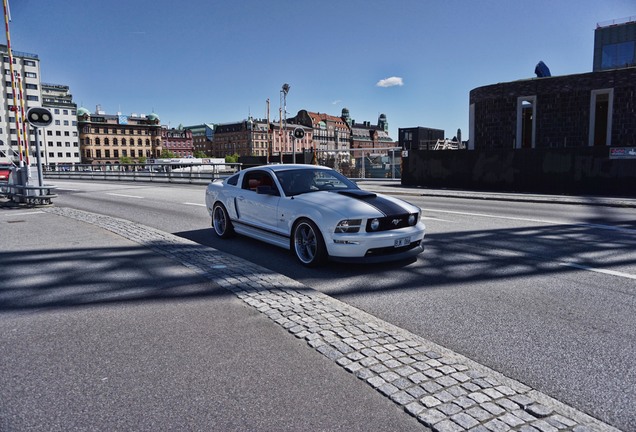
column 164, row 173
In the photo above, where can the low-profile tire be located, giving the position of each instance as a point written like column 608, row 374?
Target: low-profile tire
column 307, row 244
column 221, row 222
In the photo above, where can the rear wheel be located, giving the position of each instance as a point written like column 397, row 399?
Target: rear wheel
column 308, row 244
column 221, row 221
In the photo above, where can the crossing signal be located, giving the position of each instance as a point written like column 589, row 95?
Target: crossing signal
column 39, row 117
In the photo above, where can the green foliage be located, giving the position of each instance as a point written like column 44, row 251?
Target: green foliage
column 232, row 158
column 167, row 154
column 199, row 154
column 125, row 160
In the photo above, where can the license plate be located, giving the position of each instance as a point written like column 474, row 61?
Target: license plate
column 404, row 241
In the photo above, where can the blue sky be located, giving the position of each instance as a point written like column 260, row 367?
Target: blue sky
column 218, row 61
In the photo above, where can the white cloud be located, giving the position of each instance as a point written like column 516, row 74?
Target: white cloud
column 390, row 82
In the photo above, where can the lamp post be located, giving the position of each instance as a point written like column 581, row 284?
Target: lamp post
column 284, row 92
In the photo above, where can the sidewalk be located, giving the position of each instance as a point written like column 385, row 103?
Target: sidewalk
column 111, row 325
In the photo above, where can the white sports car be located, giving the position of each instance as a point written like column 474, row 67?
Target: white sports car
column 316, row 212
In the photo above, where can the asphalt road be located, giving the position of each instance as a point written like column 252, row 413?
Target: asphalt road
column 544, row 293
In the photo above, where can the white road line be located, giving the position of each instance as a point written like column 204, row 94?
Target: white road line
column 195, row 204
column 24, row 213
column 436, row 219
column 123, row 195
column 607, row 272
column 549, row 222
column 65, row 189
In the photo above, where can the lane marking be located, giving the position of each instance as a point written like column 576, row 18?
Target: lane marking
column 124, row 195
column 195, row 204
column 436, row 219
column 549, row 222
column 24, row 213
column 65, row 189
column 596, row 270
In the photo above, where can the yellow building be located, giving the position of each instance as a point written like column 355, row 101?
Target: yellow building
column 106, row 138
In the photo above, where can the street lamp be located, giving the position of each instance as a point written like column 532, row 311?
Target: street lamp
column 284, row 92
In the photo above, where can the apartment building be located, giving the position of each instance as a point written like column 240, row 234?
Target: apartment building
column 59, row 140
column 16, row 99
column 107, row 139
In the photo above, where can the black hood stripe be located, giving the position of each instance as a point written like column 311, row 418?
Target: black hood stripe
column 385, row 206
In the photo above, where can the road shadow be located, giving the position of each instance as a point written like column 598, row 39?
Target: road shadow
column 70, row 277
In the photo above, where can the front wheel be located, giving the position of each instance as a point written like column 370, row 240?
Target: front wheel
column 221, row 221
column 308, row 244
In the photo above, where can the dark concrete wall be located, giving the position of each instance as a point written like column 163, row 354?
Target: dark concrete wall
column 576, row 171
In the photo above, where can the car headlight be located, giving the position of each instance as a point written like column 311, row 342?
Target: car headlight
column 412, row 219
column 348, row 226
column 374, row 224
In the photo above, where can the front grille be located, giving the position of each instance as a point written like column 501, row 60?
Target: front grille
column 390, row 222
column 392, row 250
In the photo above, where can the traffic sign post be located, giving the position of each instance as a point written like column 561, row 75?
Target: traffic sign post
column 298, row 133
column 39, row 117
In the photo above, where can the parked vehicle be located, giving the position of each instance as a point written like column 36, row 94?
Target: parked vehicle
column 315, row 212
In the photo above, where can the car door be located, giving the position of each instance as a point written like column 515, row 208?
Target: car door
column 257, row 201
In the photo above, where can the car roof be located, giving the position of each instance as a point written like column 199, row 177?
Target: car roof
column 287, row 167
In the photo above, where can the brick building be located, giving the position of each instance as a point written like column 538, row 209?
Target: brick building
column 178, row 141
column 589, row 109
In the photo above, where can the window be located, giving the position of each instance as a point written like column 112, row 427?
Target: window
column 33, row 98
column 601, row 112
column 30, row 75
column 618, row 55
column 526, row 114
column 56, row 111
column 29, row 63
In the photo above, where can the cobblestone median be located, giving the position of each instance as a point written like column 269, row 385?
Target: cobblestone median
column 442, row 389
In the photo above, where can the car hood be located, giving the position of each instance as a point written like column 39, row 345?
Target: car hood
column 356, row 203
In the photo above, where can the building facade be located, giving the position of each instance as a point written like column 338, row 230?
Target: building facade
column 615, row 44
column 247, row 138
column 16, row 99
column 107, row 139
column 203, row 138
column 368, row 136
column 591, row 109
column 177, row 141
column 60, row 140
column 419, row 138
column 329, row 133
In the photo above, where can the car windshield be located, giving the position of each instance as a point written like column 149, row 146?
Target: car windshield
column 299, row 181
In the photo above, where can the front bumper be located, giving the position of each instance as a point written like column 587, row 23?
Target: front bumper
column 376, row 247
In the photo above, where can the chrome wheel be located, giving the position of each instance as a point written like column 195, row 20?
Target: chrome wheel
column 221, row 222
column 308, row 244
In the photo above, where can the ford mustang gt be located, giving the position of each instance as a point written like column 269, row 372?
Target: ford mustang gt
column 316, row 212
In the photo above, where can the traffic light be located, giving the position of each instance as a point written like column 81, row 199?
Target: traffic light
column 39, row 117
column 299, row 133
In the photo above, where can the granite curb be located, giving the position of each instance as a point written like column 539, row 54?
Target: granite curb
column 444, row 390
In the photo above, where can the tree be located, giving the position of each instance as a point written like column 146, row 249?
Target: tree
column 142, row 159
column 199, row 154
column 167, row 154
column 232, row 158
column 125, row 160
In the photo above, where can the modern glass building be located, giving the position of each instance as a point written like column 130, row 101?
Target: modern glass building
column 615, row 44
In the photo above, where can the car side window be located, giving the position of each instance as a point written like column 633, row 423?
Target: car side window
column 255, row 179
column 233, row 180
